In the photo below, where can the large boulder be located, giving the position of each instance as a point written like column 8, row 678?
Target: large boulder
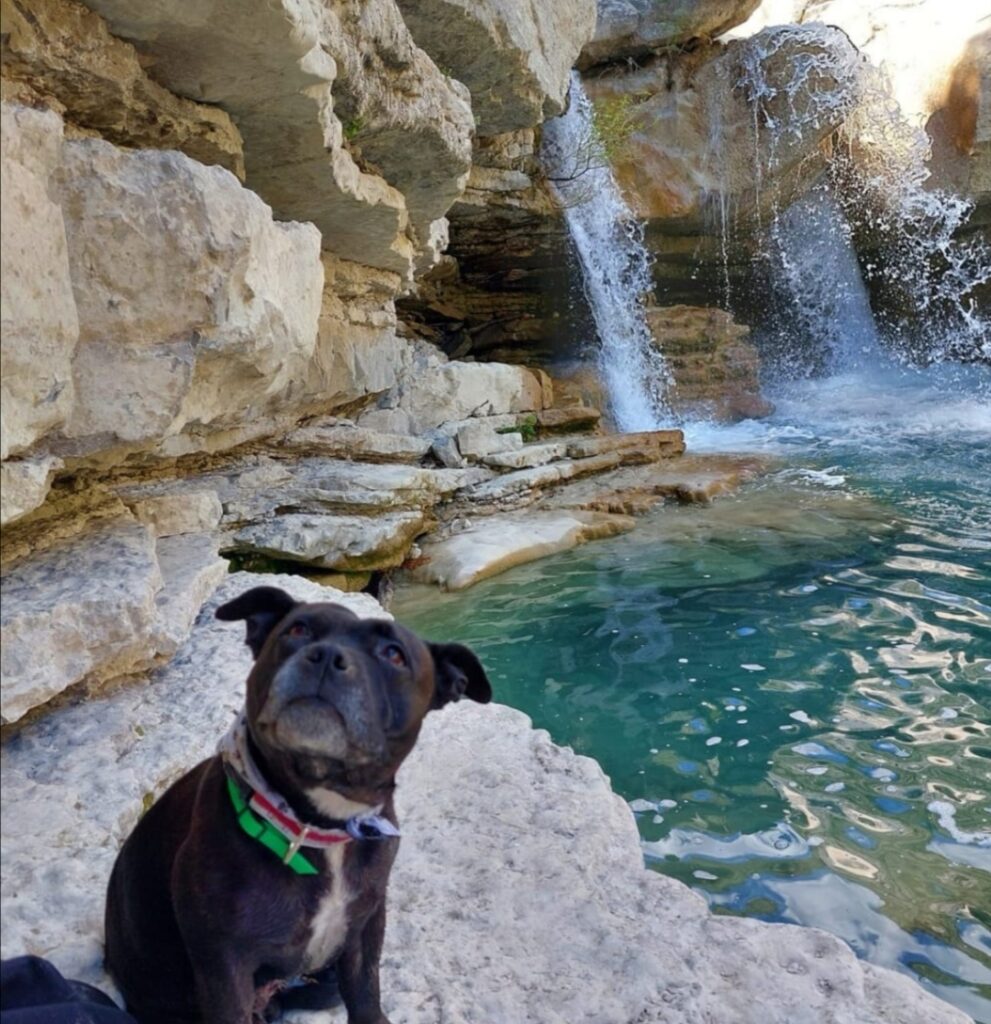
column 60, row 53
column 40, row 326
column 628, row 29
column 346, row 123
column 515, row 56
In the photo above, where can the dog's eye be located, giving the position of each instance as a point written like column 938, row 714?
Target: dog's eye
column 394, row 655
column 298, row 630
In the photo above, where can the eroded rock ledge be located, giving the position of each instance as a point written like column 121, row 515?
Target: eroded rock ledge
column 519, row 894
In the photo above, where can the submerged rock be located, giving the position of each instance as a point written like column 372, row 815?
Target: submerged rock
column 493, row 544
column 519, row 893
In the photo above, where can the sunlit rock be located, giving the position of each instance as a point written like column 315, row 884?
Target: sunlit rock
column 40, row 325
column 514, row 55
column 630, row 29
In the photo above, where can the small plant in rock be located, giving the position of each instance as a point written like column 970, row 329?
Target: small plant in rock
column 352, row 127
column 526, row 428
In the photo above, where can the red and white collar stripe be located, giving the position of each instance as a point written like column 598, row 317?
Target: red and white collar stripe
column 274, row 808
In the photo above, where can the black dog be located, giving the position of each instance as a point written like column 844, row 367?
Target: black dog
column 267, row 864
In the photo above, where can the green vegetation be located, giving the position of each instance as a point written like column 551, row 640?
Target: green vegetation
column 526, row 428
column 352, row 126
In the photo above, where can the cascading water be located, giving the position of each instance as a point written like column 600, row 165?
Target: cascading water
column 615, row 265
column 873, row 190
column 817, row 267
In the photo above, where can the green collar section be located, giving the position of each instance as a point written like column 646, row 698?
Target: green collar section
column 266, row 833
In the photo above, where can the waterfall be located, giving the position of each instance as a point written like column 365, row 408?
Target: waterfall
column 874, row 191
column 816, row 270
column 614, row 261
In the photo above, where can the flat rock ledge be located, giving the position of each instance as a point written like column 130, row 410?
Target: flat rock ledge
column 519, row 895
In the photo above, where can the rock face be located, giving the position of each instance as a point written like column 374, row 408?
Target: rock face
column 635, row 28
column 60, row 53
column 205, row 307
column 701, row 167
column 514, row 55
column 543, row 912
column 110, row 600
column 319, row 108
column 714, row 366
column 40, row 327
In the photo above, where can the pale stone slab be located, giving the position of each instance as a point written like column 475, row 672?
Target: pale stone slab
column 24, row 484
column 63, row 52
column 39, row 326
column 204, row 307
column 523, row 480
column 342, row 542
column 85, row 604
column 636, row 28
column 104, row 602
column 493, row 544
column 514, row 55
column 168, row 515
column 435, row 391
column 191, row 571
column 476, row 439
column 527, row 456
column 340, row 439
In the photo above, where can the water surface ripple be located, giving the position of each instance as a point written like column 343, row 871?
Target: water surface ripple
column 791, row 686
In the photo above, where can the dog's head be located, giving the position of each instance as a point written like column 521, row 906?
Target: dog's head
column 337, row 700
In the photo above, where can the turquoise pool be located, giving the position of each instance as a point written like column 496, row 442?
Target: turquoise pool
column 792, row 687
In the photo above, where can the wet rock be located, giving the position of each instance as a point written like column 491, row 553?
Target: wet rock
column 716, row 369
column 59, row 52
column 40, row 326
column 634, row 28
column 514, row 55
column 344, row 543
column 493, row 544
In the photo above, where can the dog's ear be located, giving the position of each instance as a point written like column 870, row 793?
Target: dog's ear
column 262, row 608
column 458, row 673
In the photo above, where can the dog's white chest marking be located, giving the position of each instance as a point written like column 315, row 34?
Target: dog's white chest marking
column 328, row 927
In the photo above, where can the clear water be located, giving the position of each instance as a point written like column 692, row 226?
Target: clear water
column 792, row 686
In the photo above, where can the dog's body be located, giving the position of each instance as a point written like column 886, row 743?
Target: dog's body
column 204, row 921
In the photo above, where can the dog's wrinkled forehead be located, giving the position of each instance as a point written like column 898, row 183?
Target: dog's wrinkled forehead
column 334, row 621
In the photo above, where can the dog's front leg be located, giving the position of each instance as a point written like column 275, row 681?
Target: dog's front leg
column 225, row 990
column 358, row 971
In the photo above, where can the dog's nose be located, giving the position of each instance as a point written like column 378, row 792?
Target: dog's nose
column 328, row 654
